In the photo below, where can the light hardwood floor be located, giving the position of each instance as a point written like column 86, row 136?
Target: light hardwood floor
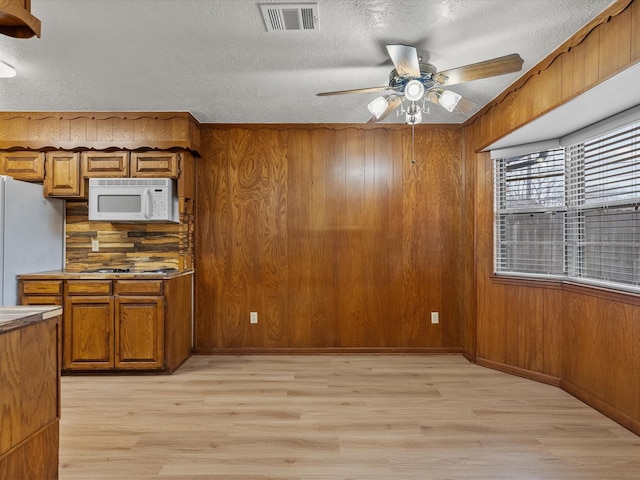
column 335, row 417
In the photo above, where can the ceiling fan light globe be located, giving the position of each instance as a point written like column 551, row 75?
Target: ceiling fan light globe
column 414, row 90
column 378, row 106
column 449, row 100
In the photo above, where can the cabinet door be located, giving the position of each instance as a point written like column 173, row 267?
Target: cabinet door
column 27, row 166
column 62, row 176
column 88, row 333
column 139, row 332
column 154, row 164
column 105, row 164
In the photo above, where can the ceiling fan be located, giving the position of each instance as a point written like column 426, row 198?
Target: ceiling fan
column 412, row 83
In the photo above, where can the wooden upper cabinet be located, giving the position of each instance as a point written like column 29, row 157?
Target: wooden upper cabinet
column 154, row 164
column 62, row 177
column 27, row 166
column 105, row 164
column 187, row 179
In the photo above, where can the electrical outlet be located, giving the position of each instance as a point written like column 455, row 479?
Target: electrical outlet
column 435, row 317
column 253, row 317
column 95, row 245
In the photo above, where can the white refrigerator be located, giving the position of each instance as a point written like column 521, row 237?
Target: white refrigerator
column 31, row 234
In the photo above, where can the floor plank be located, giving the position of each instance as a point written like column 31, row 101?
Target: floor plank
column 335, row 417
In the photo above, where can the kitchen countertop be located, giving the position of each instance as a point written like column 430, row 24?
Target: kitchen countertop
column 71, row 275
column 12, row 318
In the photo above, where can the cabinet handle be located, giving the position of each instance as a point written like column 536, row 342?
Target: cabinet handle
column 147, row 202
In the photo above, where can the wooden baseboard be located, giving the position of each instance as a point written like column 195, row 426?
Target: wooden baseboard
column 327, row 350
column 471, row 357
column 603, row 407
column 600, row 405
column 521, row 372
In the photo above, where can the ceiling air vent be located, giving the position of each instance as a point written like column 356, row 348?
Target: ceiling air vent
column 290, row 16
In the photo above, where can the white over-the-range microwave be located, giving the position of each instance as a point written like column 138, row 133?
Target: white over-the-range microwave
column 133, row 200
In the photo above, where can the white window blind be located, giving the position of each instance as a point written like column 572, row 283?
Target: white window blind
column 573, row 212
column 603, row 198
column 530, row 219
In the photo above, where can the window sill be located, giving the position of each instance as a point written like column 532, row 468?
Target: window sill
column 610, row 294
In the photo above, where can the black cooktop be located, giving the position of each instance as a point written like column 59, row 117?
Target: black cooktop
column 163, row 271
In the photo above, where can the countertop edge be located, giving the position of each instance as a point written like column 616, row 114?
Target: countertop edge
column 32, row 315
column 67, row 275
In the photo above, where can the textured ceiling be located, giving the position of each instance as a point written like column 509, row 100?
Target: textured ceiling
column 215, row 58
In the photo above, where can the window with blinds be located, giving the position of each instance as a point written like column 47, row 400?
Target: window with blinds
column 530, row 205
column 604, row 194
column 572, row 212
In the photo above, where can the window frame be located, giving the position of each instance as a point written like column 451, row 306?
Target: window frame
column 579, row 208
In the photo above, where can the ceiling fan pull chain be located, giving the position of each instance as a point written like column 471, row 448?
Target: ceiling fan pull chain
column 413, row 143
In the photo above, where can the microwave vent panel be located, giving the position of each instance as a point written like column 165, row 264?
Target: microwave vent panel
column 136, row 182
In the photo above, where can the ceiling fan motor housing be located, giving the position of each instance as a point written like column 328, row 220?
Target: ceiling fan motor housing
column 427, row 78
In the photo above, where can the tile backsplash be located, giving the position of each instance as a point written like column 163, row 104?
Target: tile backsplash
column 127, row 245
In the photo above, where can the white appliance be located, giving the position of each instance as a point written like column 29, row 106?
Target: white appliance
column 31, row 234
column 133, row 200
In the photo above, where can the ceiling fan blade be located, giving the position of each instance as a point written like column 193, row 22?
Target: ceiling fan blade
column 405, row 59
column 488, row 68
column 394, row 102
column 355, row 90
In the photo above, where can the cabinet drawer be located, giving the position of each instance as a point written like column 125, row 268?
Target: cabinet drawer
column 139, row 287
column 28, row 166
column 105, row 164
column 154, row 164
column 45, row 287
column 88, row 287
column 41, row 300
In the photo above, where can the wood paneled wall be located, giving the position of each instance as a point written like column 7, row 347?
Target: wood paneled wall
column 332, row 235
column 583, row 339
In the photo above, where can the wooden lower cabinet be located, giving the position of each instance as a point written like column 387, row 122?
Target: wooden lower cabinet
column 139, row 333
column 119, row 325
column 105, row 333
column 88, row 333
column 30, row 401
column 113, row 332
